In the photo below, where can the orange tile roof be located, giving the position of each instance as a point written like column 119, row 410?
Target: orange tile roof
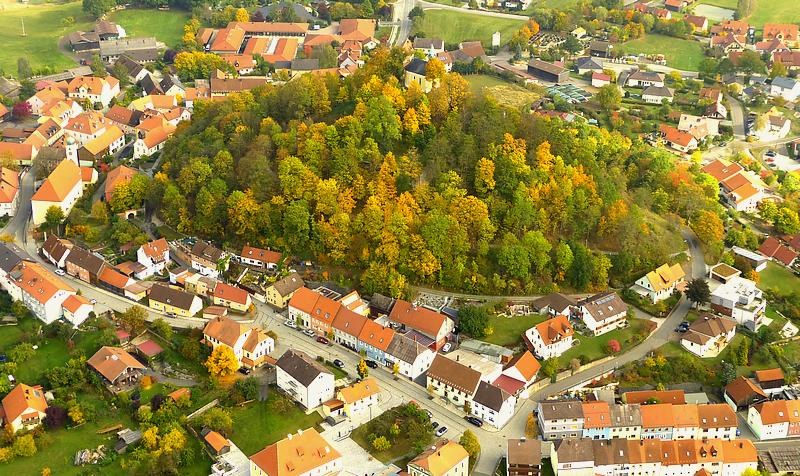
column 360, row 390
column 256, row 45
column 526, row 364
column 64, row 178
column 16, row 151
column 228, row 39
column 439, row 460
column 278, row 28
column 101, row 143
column 722, row 170
column 117, row 176
column 155, row 249
column 38, row 282
column 357, row 29
column 21, row 398
column 787, row 31
column 285, row 49
column 418, row 317
column 74, row 302
column 225, row 330
column 662, row 396
column 9, row 185
column 739, row 451
column 216, row 441
column 267, row 256
column 110, row 362
column 741, row 389
column 596, row 415
column 157, row 136
column 93, row 84
column 89, row 123
column 114, row 278
column 659, row 415
column 376, row 335
column 179, row 393
column 554, row 329
column 230, row 293
column 304, row 299
column 769, row 375
column 296, row 454
column 256, row 337
column 686, row 416
column 716, row 415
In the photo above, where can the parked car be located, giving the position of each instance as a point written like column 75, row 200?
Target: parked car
column 60, row 272
column 290, row 323
column 441, row 431
column 323, row 340
column 309, row 333
column 338, row 363
column 427, row 412
column 447, row 348
column 474, row 420
column 93, row 301
column 244, row 370
column 771, row 153
column 435, row 424
column 372, row 364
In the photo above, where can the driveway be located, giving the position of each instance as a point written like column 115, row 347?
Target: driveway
column 737, row 117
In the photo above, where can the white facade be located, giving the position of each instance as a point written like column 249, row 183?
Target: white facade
column 39, row 207
column 740, row 300
column 103, row 97
column 318, row 391
column 151, row 267
column 413, row 370
column 601, row 325
column 655, row 98
column 766, row 431
column 547, row 351
column 141, row 149
column 786, row 88
column 497, row 419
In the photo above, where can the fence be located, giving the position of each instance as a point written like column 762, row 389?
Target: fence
column 203, row 409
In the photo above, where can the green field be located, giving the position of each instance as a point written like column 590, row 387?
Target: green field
column 506, row 93
column 454, row 27
column 731, row 4
column 778, row 278
column 44, row 28
column 166, row 26
column 508, row 330
column 774, row 11
column 680, row 54
column 594, row 348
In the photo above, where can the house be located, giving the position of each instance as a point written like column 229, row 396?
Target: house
column 143, row 50
column 740, row 300
column 412, row 358
column 55, row 250
column 657, row 95
column 660, row 283
column 741, row 393
column 431, row 324
column 698, row 23
column 429, row 46
column 44, row 294
column 124, row 118
column 117, row 176
column 755, row 260
column 259, row 258
column 523, row 457
column 62, row 188
column 414, row 73
column 357, row 398
column 23, row 408
column 549, row 72
column 550, row 338
column 46, row 96
column 596, row 420
column 301, row 454
column 20, row 154
column 776, row 127
column 554, row 304
column 136, row 72
column 699, row 127
column 780, row 460
column 232, row 297
column 114, row 281
column 773, row 248
column 154, row 256
column 208, row 259
column 645, row 79
column 626, row 421
column 709, row 335
column 149, row 142
column 603, row 312
column 250, row 344
column 169, row 300
column 772, row 381
column 374, row 340
column 560, row 419
column 347, row 326
column 600, row 79
column 728, row 43
column 677, row 139
column 84, row 265
column 723, row 273
column 775, row 419
column 674, row 5
column 587, row 64
column 9, row 191
column 116, row 366
column 492, row 404
column 95, row 90
column 452, row 380
column 442, row 459
column 280, row 293
column 600, row 49
column 787, row 88
column 784, row 32
column 717, row 421
column 658, row 421
column 303, row 379
column 10, row 256
column 359, row 29
column 518, row 374
column 107, row 144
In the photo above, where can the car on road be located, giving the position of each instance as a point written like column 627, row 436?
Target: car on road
column 309, row 333
column 435, row 424
column 372, row 364
column 338, row 363
column 60, row 272
column 770, row 153
column 93, row 301
column 244, row 370
column 430, row 414
column 172, row 315
column 441, row 431
column 323, row 340
column 447, row 348
column 290, row 323
column 682, row 327
column 474, row 420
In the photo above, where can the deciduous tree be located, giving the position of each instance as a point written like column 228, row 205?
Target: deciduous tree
column 222, row 362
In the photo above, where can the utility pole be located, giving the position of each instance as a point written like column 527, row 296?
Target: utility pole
column 23, row 26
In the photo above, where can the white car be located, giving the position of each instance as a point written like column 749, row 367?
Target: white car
column 447, row 348
column 290, row 323
column 93, row 301
column 309, row 333
column 60, row 272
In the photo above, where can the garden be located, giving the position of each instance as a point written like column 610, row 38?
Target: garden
column 396, row 435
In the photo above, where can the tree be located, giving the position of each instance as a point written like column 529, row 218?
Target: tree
column 190, row 349
column 24, row 445
column 470, row 443
column 473, row 320
column 55, row 417
column 98, row 68
column 98, row 8
column 395, row 369
column 100, row 211
column 24, row 69
column 242, row 15
column 613, row 346
column 328, row 58
column 222, row 361
column 162, row 328
column 787, row 221
column 416, row 12
column 727, row 373
column 778, row 69
column 708, row 226
column 217, row 418
column 362, row 369
column 550, row 367
column 697, row 291
column 531, row 426
column 434, row 70
column 609, row 98
column 381, row 443
column 53, row 218
column 133, row 319
column 21, row 353
column 21, row 110
column 76, row 415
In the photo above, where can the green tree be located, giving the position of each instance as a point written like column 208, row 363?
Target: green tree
column 470, row 443
column 697, row 291
column 217, row 419
column 382, row 123
column 381, row 443
column 24, row 70
column 133, row 319
column 98, row 8
column 98, row 68
column 24, row 445
column 609, row 98
column 550, row 367
column 163, row 329
column 327, row 56
column 473, row 320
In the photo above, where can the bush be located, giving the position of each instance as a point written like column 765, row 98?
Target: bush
column 6, row 455
column 245, row 389
column 24, row 445
column 381, row 443
column 55, row 417
column 613, row 346
column 218, row 419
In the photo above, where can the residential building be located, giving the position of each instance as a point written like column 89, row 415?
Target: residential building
column 596, row 420
column 107, row 144
column 154, row 256
column 550, row 338
column 95, row 90
column 116, row 366
column 698, row 23
column 773, row 248
column 741, row 393
column 280, row 293
column 62, row 188
column 442, row 459
column 523, row 457
column 231, row 297
column 709, row 335
column 303, row 379
column 9, row 191
column 756, row 260
column 717, row 421
column 781, row 460
column 518, row 374
column 56, row 250
column 20, row 154
column 412, row 358
column 114, row 281
column 414, row 73
column 250, row 344
column 600, row 48
column 304, row 454
column 124, row 118
column 117, row 176
column 573, row 456
column 431, row 324
column 347, row 326
column 173, row 301
column 775, row 419
column 43, row 293
column 658, row 421
column 259, row 258
column 771, row 381
column 660, row 283
column 786, row 33
column 374, row 340
column 787, row 88
column 302, row 304
column 600, row 79
column 356, row 399
column 626, row 421
column 429, row 46
column 208, row 259
column 84, row 265
column 554, row 304
column 150, row 142
column 492, row 404
column 603, row 312
column 452, row 380
column 560, row 419
column 588, row 64
column 740, row 300
column 23, row 408
column 645, row 79
column 686, row 420
column 657, row 95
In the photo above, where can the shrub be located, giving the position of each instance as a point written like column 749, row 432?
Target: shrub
column 613, row 346
column 381, row 443
column 24, row 445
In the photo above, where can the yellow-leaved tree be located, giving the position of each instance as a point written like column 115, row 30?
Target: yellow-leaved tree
column 222, row 362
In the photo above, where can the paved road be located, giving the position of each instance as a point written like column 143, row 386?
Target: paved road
column 737, row 117
column 432, row 6
column 400, row 14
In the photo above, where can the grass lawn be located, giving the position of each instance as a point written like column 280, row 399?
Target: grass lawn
column 166, row 26
column 259, row 424
column 402, row 444
column 337, row 372
column 674, row 348
column 508, row 330
column 43, row 26
column 506, row 93
column 166, row 232
column 680, row 54
column 594, row 348
column 454, row 27
column 778, row 278
column 774, row 11
column 731, row 4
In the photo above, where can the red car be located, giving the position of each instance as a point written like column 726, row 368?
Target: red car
column 323, row 340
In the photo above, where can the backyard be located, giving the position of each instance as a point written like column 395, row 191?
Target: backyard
column 681, row 54
column 412, row 431
column 594, row 348
column 166, row 26
column 779, row 279
column 454, row 27
column 508, row 330
column 774, row 11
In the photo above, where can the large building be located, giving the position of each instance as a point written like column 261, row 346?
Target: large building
column 452, row 380
column 431, row 324
column 446, row 458
column 303, row 454
column 709, row 335
column 740, row 300
column 775, row 419
column 550, row 338
column 603, row 312
column 305, row 380
column 62, row 189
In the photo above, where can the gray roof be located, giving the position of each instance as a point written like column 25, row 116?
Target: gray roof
column 574, row 450
column 122, row 45
column 490, row 396
column 427, row 43
column 308, row 64
column 289, row 284
column 781, row 459
column 174, row 297
column 546, row 67
column 599, row 45
column 132, row 67
column 300, row 366
column 784, row 82
column 660, row 91
column 603, row 305
column 405, row 349
column 381, row 303
column 588, row 62
column 417, row 66
column 10, row 256
column 625, row 415
column 555, row 301
column 170, row 81
column 207, row 251
column 647, row 76
column 561, row 410
column 150, row 85
column 85, row 260
column 54, row 247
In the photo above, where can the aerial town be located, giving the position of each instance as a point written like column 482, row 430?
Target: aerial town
column 423, row 238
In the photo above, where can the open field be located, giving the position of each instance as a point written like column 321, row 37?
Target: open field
column 774, row 11
column 720, row 3
column 680, row 54
column 166, row 26
column 778, row 278
column 454, row 27
column 508, row 330
column 507, row 94
column 44, row 28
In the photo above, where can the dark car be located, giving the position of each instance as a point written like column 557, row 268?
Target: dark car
column 435, row 424
column 338, row 363
column 474, row 420
column 3, row 358
column 244, row 370
column 372, row 364
column 323, row 340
